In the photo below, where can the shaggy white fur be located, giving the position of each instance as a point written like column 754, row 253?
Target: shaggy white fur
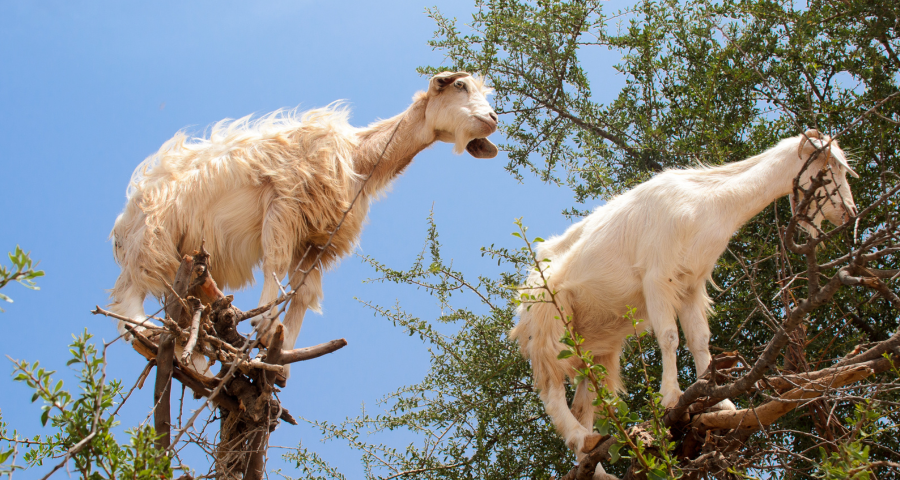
column 653, row 248
column 263, row 192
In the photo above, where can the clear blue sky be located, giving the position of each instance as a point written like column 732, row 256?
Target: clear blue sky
column 89, row 89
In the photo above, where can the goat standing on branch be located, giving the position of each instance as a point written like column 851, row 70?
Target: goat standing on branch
column 653, row 248
column 275, row 192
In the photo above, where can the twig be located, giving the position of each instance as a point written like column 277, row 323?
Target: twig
column 198, row 310
column 99, row 311
column 256, row 363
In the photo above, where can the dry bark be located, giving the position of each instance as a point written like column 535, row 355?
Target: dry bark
column 162, row 414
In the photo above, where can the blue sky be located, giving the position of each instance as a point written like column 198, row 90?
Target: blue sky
column 88, row 90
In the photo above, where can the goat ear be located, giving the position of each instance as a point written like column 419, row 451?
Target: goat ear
column 481, row 148
column 841, row 159
column 842, row 163
column 441, row 80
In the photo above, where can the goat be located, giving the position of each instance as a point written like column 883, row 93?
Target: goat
column 267, row 191
column 654, row 248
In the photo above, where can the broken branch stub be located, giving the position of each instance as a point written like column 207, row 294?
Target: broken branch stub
column 175, row 307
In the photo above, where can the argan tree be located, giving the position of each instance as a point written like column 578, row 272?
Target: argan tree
column 810, row 325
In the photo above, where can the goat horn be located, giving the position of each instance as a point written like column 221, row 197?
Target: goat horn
column 829, row 157
column 811, row 133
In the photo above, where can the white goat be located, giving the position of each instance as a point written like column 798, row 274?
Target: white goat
column 653, row 248
column 265, row 192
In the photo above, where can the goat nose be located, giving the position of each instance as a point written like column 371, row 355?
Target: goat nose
column 494, row 116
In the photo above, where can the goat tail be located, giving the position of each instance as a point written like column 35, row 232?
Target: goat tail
column 538, row 332
column 127, row 300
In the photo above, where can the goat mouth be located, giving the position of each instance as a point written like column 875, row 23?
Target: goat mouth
column 481, row 148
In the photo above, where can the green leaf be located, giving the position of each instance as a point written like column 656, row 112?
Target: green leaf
column 657, row 474
column 614, row 452
column 564, row 354
column 602, row 426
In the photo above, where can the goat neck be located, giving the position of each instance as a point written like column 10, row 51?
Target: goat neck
column 749, row 186
column 410, row 136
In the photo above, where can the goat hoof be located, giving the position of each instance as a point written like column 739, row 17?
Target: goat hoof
column 723, row 405
column 600, row 474
column 263, row 324
column 265, row 328
column 590, row 442
column 136, row 328
column 671, row 398
column 256, row 320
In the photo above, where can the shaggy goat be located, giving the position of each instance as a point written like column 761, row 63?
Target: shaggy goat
column 266, row 191
column 654, row 248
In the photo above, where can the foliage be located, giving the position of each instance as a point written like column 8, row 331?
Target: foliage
column 695, row 82
column 310, row 464
column 22, row 271
column 851, row 459
column 83, row 424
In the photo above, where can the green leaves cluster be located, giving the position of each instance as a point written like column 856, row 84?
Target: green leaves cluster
column 22, row 271
column 83, row 424
column 852, row 460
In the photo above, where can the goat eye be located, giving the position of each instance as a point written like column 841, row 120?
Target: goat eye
column 460, row 85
